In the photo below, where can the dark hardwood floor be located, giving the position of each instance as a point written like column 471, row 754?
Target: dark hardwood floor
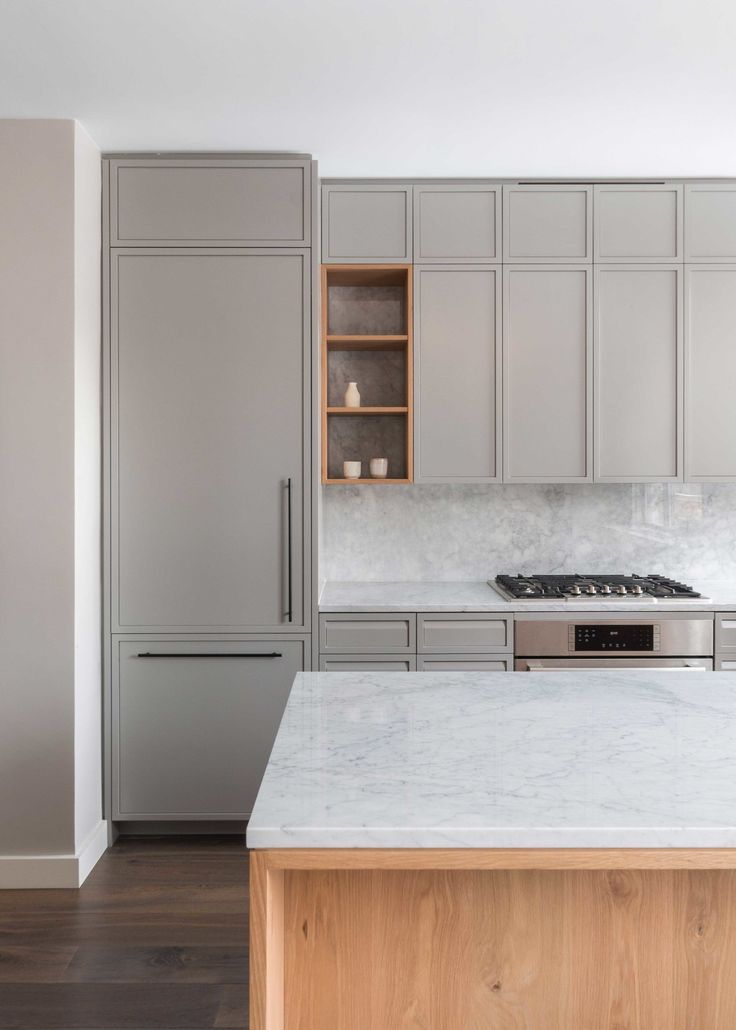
column 156, row 939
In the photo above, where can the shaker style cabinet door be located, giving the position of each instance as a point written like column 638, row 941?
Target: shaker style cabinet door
column 638, row 373
column 457, row 334
column 208, row 407
column 710, row 223
column 710, row 372
column 366, row 224
column 544, row 224
column 638, row 223
column 547, row 374
column 457, row 223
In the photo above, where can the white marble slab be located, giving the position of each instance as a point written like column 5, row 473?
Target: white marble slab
column 497, row 760
column 480, row 597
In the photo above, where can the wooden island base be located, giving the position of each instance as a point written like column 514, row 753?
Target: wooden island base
column 493, row 939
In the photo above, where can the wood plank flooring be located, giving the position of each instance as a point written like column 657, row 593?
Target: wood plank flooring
column 156, row 939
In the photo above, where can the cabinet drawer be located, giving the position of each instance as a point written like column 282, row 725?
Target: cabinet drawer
column 473, row 633
column 194, row 722
column 725, row 665
column 342, row 633
column 367, row 663
column 228, row 203
column 465, row 663
column 366, row 224
column 726, row 633
column 457, row 223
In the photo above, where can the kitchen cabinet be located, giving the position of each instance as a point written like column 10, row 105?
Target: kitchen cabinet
column 465, row 663
column 366, row 224
column 726, row 634
column 464, row 633
column 710, row 371
column 223, row 202
column 208, row 439
column 548, row 223
column 710, row 222
column 457, row 223
column 367, row 663
column 382, row 631
column 194, row 722
column 547, row 377
column 457, row 334
column 638, row 373
column 638, row 223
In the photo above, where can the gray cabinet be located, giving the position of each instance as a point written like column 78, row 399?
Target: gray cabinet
column 365, row 632
column 710, row 222
column 224, row 202
column 547, row 378
column 367, row 663
column 638, row 373
column 194, row 722
column 710, row 372
column 465, row 663
column 366, row 224
column 467, row 632
column 726, row 634
column 209, row 420
column 547, row 223
column 457, row 335
column 638, row 223
column 457, row 223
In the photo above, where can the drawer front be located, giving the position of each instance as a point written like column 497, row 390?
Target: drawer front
column 367, row 663
column 226, row 203
column 464, row 663
column 725, row 665
column 194, row 722
column 473, row 633
column 726, row 633
column 342, row 633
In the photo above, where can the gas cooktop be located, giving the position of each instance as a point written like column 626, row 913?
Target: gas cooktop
column 581, row 588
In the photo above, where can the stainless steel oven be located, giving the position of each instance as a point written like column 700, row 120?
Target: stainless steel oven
column 670, row 640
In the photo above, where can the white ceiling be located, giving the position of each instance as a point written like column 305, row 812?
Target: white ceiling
column 390, row 87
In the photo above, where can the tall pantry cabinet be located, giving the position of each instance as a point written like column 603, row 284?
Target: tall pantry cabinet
column 208, row 585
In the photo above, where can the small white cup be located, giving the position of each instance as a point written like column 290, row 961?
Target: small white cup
column 351, row 469
column 379, row 468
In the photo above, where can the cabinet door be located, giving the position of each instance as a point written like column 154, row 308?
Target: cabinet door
column 710, row 372
column 640, row 223
column 464, row 663
column 208, row 404
column 457, row 333
column 194, row 724
column 547, row 357
column 638, row 373
column 457, row 223
column 367, row 663
column 547, row 224
column 710, row 222
column 366, row 224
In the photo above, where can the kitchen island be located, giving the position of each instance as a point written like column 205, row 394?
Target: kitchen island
column 474, row 850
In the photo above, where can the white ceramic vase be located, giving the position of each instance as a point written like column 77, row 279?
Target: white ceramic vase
column 352, row 397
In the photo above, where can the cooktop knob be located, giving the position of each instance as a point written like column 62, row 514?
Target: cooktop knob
column 605, row 589
column 636, row 589
column 621, row 589
column 575, row 590
column 591, row 589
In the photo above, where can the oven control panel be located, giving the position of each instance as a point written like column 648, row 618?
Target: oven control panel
column 611, row 637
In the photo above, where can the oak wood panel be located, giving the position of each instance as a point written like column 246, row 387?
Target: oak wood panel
column 266, row 944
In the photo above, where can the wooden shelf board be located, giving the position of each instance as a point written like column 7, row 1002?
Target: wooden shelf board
column 379, row 341
column 360, row 482
column 368, row 411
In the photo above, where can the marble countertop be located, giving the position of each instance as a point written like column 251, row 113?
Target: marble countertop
column 480, row 597
column 461, row 760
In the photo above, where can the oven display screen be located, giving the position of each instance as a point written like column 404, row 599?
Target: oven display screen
column 614, row 638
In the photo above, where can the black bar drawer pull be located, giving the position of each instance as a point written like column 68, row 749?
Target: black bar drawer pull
column 210, row 654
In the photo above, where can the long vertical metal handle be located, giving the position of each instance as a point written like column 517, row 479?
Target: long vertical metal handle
column 289, row 611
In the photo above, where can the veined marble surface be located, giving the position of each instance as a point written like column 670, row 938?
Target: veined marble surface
column 597, row 759
column 480, row 597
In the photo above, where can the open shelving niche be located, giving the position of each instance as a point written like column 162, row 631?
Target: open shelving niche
column 367, row 338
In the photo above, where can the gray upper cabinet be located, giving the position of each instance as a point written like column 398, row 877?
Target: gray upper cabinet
column 710, row 223
column 457, row 223
column 638, row 223
column 209, row 409
column 547, row 223
column 547, row 378
column 638, row 373
column 222, row 202
column 710, row 372
column 457, row 335
column 366, row 224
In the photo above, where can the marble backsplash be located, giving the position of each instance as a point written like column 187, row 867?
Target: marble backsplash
column 395, row 533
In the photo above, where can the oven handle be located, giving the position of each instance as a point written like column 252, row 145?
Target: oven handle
column 538, row 665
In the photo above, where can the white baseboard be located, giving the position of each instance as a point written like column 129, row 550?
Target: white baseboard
column 29, row 872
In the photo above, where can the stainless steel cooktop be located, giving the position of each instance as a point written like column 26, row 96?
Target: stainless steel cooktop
column 580, row 587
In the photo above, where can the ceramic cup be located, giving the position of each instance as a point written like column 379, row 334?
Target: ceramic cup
column 379, row 467
column 351, row 469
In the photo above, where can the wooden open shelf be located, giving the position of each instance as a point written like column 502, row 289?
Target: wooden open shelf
column 366, row 336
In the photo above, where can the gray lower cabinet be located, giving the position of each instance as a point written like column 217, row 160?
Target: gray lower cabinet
column 710, row 372
column 638, row 373
column 194, row 722
column 465, row 663
column 342, row 632
column 547, row 223
column 367, row 663
column 725, row 665
column 457, row 223
column 457, row 333
column 638, row 223
column 547, row 373
column 726, row 634
column 710, row 222
column 464, row 632
column 366, row 223
column 208, row 453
